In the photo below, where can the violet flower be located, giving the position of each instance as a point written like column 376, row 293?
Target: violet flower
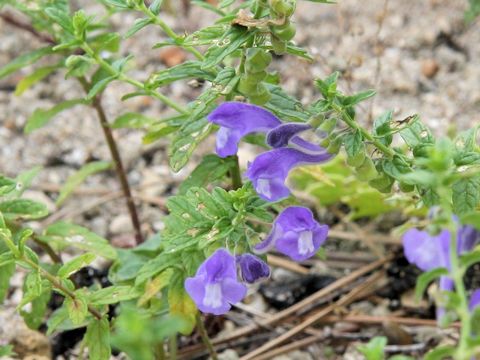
column 474, row 300
column 269, row 170
column 433, row 251
column 236, row 120
column 252, row 268
column 295, row 233
column 215, row 286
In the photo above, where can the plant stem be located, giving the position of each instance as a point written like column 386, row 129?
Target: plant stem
column 236, row 174
column 354, row 125
column 168, row 30
column 57, row 284
column 48, row 249
column 205, row 338
column 173, row 347
column 117, row 160
column 121, row 76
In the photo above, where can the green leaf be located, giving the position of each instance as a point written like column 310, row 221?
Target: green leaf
column 65, row 234
column 285, row 106
column 7, row 350
column 61, row 18
column 6, row 272
column 79, row 177
column 180, row 303
column 97, row 339
column 469, row 259
column 353, row 142
column 99, row 86
column 232, row 40
column 35, row 316
column 23, row 208
column 77, row 308
column 6, row 185
column 155, row 266
column 426, row 278
column 466, row 195
column 41, row 116
column 382, row 128
column 416, row 133
column 132, row 120
column 113, row 295
column 24, row 180
column 59, row 317
column 29, row 80
column 357, row 98
column 24, row 60
column 155, row 6
column 138, row 25
column 75, row 264
column 210, row 169
column 471, row 218
column 186, row 70
column 375, row 348
column 205, row 36
column 440, row 353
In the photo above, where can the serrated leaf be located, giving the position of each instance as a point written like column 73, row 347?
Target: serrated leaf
column 97, row 339
column 205, row 36
column 382, row 129
column 353, row 142
column 61, row 18
column 66, row 234
column 466, row 195
column 77, row 308
column 357, row 98
column 416, row 133
column 23, row 208
column 210, row 169
column 29, row 80
column 426, row 278
column 232, row 40
column 138, row 25
column 285, row 106
column 75, row 264
column 79, row 177
column 24, row 60
column 40, row 117
column 113, row 295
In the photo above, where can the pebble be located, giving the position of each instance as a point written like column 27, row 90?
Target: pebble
column 430, row 68
column 120, row 224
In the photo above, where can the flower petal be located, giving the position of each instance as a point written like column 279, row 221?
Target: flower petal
column 281, row 135
column 474, row 300
column 252, row 268
column 269, row 170
column 468, row 237
column 220, row 265
column 241, row 119
column 233, row 291
column 426, row 251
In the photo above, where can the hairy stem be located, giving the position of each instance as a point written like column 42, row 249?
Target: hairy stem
column 205, row 338
column 236, row 174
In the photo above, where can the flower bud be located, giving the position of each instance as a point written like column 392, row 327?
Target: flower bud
column 316, row 120
column 260, row 96
column 282, row 8
column 357, row 159
column 285, row 32
column 382, row 183
column 252, row 268
column 366, row 171
column 247, row 85
column 334, row 145
column 257, row 60
column 326, row 127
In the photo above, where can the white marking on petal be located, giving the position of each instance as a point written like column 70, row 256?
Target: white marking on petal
column 263, row 187
column 222, row 138
column 305, row 243
column 213, row 296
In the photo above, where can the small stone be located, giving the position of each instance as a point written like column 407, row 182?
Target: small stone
column 228, row 354
column 430, row 68
column 172, row 56
column 121, row 224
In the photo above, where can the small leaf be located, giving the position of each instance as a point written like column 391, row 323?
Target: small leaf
column 112, row 295
column 75, row 264
column 440, row 353
column 77, row 308
column 132, row 120
column 138, row 25
column 6, row 185
column 466, row 195
column 79, row 177
column 61, row 18
column 97, row 339
column 186, row 70
column 23, row 208
column 426, row 278
column 99, row 86
column 6, row 272
column 29, row 80
column 357, row 98
column 41, row 116
column 24, row 60
column 382, row 128
column 210, row 169
column 353, row 142
column 180, row 302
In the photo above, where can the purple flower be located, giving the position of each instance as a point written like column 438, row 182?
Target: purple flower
column 281, row 135
column 252, row 268
column 474, row 300
column 215, row 287
column 237, row 120
column 269, row 170
column 295, row 233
